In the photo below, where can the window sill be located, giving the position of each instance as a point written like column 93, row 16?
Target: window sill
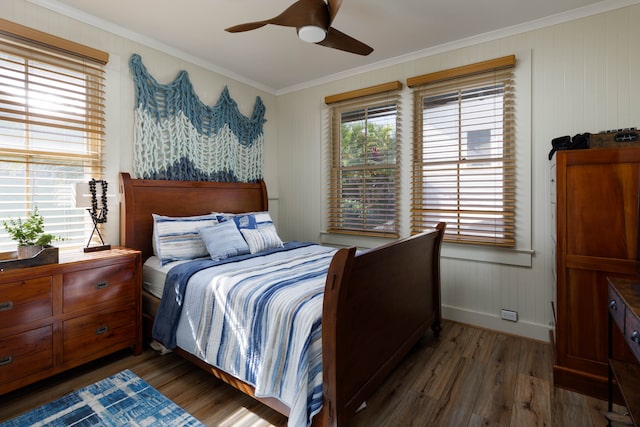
column 489, row 254
column 347, row 240
column 516, row 257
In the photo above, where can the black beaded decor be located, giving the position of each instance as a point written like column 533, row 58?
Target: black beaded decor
column 98, row 215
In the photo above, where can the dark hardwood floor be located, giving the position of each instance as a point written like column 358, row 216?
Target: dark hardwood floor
column 469, row 377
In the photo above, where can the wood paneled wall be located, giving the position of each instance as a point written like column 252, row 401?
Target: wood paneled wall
column 584, row 77
column 164, row 64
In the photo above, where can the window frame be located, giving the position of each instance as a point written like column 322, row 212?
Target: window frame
column 425, row 214
column 362, row 101
column 69, row 138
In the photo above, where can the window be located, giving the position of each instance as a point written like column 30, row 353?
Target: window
column 464, row 154
column 51, row 128
column 364, row 168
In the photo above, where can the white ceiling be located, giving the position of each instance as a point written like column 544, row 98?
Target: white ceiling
column 272, row 58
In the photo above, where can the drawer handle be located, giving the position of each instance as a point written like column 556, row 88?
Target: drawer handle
column 6, row 360
column 102, row 330
column 6, row 306
column 635, row 337
column 613, row 305
column 102, row 285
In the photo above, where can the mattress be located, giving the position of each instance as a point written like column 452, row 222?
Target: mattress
column 154, row 275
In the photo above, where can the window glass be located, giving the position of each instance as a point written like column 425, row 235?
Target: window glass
column 51, row 136
column 464, row 165
column 364, row 169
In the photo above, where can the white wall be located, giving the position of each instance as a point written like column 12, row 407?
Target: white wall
column 120, row 94
column 585, row 76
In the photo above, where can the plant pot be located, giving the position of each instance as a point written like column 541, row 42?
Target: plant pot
column 28, row 251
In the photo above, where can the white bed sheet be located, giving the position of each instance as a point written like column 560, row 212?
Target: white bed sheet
column 154, row 275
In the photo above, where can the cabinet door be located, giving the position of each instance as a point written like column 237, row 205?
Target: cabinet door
column 586, row 322
column 601, row 234
column 597, row 234
column 602, row 210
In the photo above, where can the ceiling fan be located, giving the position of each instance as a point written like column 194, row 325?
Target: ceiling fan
column 312, row 20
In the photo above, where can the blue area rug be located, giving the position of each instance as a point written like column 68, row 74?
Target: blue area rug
column 121, row 400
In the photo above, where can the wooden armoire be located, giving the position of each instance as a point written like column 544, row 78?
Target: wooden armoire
column 597, row 237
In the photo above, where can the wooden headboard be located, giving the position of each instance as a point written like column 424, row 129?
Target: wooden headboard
column 140, row 198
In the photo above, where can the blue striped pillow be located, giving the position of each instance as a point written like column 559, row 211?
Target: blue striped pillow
column 261, row 238
column 253, row 220
column 177, row 238
column 223, row 240
column 257, row 229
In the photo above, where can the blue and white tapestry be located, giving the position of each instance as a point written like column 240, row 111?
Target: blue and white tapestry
column 178, row 137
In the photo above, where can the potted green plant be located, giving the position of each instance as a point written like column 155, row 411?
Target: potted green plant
column 29, row 234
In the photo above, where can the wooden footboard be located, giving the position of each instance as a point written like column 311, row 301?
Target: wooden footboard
column 377, row 305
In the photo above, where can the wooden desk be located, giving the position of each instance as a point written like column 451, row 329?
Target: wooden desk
column 624, row 311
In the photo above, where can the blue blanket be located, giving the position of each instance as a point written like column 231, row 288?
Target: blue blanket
column 170, row 308
column 258, row 318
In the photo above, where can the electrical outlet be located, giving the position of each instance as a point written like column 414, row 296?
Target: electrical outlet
column 509, row 315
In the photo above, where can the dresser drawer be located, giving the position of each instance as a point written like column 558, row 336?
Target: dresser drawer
column 616, row 308
column 97, row 334
column 25, row 301
column 25, row 354
column 113, row 285
column 632, row 333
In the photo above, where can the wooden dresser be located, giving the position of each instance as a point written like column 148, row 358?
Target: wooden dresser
column 58, row 316
column 597, row 232
column 624, row 312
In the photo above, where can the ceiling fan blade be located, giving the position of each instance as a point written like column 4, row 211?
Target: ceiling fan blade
column 304, row 12
column 246, row 27
column 339, row 40
column 299, row 14
column 334, row 6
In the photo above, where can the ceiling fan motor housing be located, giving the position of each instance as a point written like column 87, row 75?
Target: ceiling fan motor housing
column 311, row 33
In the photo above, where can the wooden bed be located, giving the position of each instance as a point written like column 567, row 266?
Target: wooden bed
column 377, row 305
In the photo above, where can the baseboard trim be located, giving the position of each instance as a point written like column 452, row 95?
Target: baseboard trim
column 521, row 328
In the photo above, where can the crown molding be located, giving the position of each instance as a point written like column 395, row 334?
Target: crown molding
column 585, row 11
column 126, row 33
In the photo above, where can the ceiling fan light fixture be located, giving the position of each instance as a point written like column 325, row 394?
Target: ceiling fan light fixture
column 312, row 33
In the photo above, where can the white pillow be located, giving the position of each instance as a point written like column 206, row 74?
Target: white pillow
column 177, row 238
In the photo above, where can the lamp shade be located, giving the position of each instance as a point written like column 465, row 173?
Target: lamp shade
column 81, row 195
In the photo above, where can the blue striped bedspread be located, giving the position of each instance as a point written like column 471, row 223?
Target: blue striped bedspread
column 259, row 320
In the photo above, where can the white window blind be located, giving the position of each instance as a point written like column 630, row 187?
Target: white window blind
column 464, row 154
column 364, row 169
column 51, row 129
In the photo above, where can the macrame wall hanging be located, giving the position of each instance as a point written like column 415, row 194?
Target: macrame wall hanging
column 177, row 137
